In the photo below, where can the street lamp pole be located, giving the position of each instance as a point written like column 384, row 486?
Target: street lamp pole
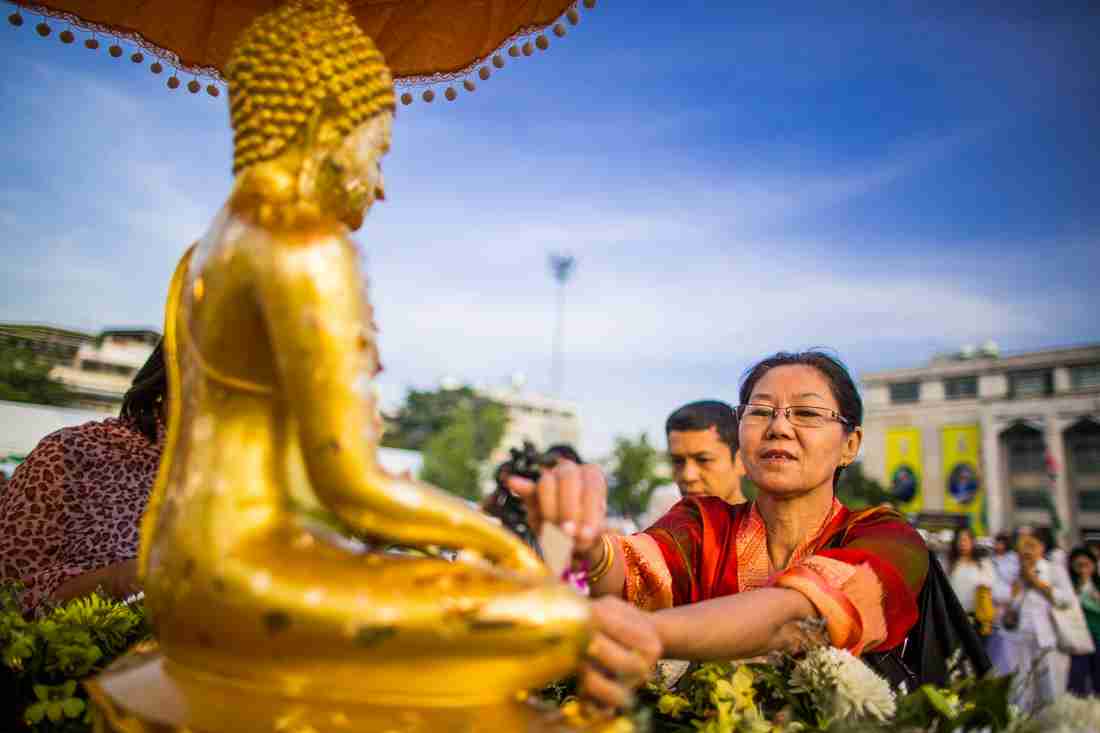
column 562, row 268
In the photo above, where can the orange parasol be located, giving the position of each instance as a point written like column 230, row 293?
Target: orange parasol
column 423, row 41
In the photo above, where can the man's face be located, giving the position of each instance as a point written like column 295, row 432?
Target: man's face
column 702, row 465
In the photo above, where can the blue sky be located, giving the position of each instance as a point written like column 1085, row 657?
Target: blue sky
column 884, row 181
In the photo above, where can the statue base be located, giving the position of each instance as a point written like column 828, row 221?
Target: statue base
column 143, row 692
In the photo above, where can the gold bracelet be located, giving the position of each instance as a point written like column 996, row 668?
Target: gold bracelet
column 605, row 562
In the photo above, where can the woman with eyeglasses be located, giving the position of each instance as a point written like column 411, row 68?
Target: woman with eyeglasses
column 731, row 582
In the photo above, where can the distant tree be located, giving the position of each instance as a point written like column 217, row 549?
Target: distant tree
column 426, row 413
column 857, row 490
column 633, row 476
column 24, row 377
column 454, row 429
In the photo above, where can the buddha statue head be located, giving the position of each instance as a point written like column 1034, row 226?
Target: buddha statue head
column 311, row 103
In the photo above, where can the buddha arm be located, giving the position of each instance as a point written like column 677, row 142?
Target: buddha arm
column 312, row 295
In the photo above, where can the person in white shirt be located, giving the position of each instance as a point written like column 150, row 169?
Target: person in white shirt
column 1030, row 642
column 1006, row 566
column 972, row 580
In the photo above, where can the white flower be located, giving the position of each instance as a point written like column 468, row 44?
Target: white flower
column 843, row 687
column 1069, row 714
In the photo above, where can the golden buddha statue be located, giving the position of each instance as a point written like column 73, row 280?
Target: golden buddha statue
column 261, row 618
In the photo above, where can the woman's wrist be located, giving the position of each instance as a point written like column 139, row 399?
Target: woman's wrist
column 666, row 632
column 600, row 557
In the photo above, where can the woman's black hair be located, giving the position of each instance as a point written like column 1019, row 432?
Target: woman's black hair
column 841, row 384
column 1079, row 552
column 142, row 403
column 1045, row 535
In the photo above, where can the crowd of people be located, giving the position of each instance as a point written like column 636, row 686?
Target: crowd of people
column 1012, row 594
column 793, row 567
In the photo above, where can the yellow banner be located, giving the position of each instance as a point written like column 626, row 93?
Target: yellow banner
column 903, row 468
column 964, row 490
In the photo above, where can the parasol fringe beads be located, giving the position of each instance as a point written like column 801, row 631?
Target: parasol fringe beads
column 115, row 50
column 516, row 48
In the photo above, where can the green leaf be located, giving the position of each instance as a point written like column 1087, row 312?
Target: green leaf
column 939, row 702
column 73, row 707
column 42, row 692
column 55, row 711
column 35, row 713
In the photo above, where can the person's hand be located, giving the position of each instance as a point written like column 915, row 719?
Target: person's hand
column 570, row 496
column 1029, row 575
column 118, row 580
column 622, row 654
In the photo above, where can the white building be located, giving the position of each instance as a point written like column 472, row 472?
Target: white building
column 101, row 371
column 994, row 437
column 545, row 421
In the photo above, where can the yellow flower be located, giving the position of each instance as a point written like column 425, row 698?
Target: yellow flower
column 673, row 705
column 724, row 690
column 744, row 696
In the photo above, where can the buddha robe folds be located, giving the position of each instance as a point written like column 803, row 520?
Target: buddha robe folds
column 863, row 571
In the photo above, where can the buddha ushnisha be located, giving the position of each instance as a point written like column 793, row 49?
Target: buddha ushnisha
column 272, row 354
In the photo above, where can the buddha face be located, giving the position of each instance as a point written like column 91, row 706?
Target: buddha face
column 349, row 174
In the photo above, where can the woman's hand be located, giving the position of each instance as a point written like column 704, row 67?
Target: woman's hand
column 623, row 652
column 118, row 580
column 570, row 496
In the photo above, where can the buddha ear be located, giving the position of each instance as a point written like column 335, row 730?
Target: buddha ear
column 314, row 153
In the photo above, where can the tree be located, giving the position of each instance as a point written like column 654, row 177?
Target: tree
column 24, row 377
column 857, row 490
column 454, row 429
column 427, row 413
column 634, row 476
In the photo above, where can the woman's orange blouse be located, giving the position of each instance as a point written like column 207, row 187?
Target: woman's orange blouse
column 862, row 571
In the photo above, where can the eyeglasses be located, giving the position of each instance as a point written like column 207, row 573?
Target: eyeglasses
column 803, row 416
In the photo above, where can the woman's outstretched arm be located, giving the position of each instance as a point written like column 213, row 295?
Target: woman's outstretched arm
column 734, row 627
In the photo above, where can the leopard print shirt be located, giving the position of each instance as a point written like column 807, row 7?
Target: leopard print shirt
column 75, row 505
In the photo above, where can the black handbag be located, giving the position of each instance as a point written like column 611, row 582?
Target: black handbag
column 942, row 629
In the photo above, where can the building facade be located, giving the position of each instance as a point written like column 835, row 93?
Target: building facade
column 544, row 421
column 1001, row 440
column 96, row 369
column 102, row 369
column 50, row 344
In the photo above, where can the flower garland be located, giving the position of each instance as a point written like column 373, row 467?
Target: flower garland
column 830, row 691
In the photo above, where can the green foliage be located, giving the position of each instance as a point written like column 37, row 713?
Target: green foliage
column 633, row 477
column 427, row 413
column 455, row 429
column 24, row 377
column 968, row 704
column 857, row 490
column 42, row 660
